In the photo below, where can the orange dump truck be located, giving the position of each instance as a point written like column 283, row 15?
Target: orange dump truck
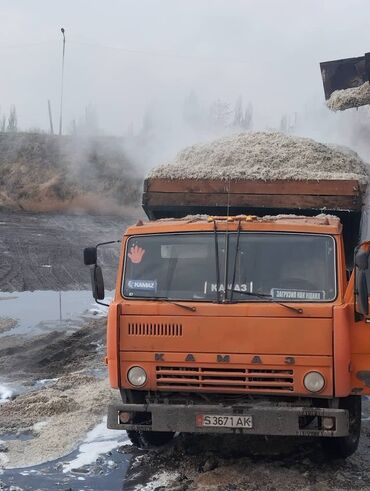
column 232, row 316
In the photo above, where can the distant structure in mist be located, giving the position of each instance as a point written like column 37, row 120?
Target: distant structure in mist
column 9, row 123
column 62, row 83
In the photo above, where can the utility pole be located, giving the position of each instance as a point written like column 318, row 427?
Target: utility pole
column 62, row 83
column 50, row 118
column 60, row 306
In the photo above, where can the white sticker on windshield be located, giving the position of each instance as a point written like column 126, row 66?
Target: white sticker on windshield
column 146, row 285
column 289, row 294
column 239, row 287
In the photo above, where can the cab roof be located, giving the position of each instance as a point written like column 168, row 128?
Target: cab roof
column 320, row 224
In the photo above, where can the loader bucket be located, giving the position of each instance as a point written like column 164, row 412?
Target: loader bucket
column 345, row 74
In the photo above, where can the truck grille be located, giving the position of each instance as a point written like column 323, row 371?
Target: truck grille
column 154, row 329
column 225, row 379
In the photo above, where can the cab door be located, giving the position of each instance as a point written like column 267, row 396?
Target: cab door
column 358, row 294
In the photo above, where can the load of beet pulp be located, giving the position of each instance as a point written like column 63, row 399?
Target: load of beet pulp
column 341, row 100
column 263, row 156
column 257, row 173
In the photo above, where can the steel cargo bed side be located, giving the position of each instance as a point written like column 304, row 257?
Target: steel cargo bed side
column 164, row 198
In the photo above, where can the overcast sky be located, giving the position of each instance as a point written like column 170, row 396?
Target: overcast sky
column 122, row 55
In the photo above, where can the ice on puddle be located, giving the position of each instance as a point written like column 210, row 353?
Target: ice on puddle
column 99, row 440
column 5, row 393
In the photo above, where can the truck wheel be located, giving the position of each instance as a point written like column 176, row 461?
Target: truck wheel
column 148, row 439
column 344, row 446
column 144, row 439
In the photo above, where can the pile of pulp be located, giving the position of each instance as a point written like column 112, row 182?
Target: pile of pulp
column 264, row 156
column 348, row 98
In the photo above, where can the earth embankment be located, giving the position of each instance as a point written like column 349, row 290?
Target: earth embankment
column 48, row 173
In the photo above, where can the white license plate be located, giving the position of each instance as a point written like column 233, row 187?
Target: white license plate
column 219, row 421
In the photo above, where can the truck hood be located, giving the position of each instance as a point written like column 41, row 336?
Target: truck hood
column 290, row 335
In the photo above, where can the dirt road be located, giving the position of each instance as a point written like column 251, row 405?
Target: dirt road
column 44, row 251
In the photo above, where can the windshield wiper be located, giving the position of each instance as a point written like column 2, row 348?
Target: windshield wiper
column 298, row 310
column 187, row 307
column 235, row 262
column 217, row 262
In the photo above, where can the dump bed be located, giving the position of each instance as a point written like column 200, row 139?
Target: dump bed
column 174, row 198
column 164, row 198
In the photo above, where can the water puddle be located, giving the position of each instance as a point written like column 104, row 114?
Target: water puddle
column 95, row 463
column 30, row 313
column 98, row 460
column 99, row 440
column 6, row 437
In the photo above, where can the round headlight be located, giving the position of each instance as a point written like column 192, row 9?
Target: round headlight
column 136, row 376
column 314, row 381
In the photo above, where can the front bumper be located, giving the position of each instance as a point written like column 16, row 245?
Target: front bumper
column 267, row 420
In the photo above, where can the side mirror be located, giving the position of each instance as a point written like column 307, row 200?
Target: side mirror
column 362, row 293
column 90, row 256
column 97, row 282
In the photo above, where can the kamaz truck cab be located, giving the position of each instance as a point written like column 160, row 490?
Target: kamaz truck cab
column 240, row 324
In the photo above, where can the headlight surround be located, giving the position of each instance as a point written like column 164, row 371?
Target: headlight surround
column 137, row 376
column 314, row 381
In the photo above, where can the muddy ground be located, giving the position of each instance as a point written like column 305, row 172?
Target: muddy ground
column 60, row 392
column 226, row 463
column 54, row 354
column 73, row 396
column 44, row 251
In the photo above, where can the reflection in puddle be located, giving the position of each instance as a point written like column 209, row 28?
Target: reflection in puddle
column 41, row 311
column 6, row 437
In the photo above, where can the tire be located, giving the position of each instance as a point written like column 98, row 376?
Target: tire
column 149, row 439
column 344, row 446
column 144, row 439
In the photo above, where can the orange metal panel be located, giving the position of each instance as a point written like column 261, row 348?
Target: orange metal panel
column 289, row 335
column 112, row 344
column 342, row 321
column 304, row 225
column 243, row 309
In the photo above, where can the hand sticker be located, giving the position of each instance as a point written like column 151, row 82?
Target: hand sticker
column 136, row 254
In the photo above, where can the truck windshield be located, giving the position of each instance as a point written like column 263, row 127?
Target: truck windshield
column 281, row 266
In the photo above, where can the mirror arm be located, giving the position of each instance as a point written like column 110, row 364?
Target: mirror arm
column 106, row 243
column 101, row 303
